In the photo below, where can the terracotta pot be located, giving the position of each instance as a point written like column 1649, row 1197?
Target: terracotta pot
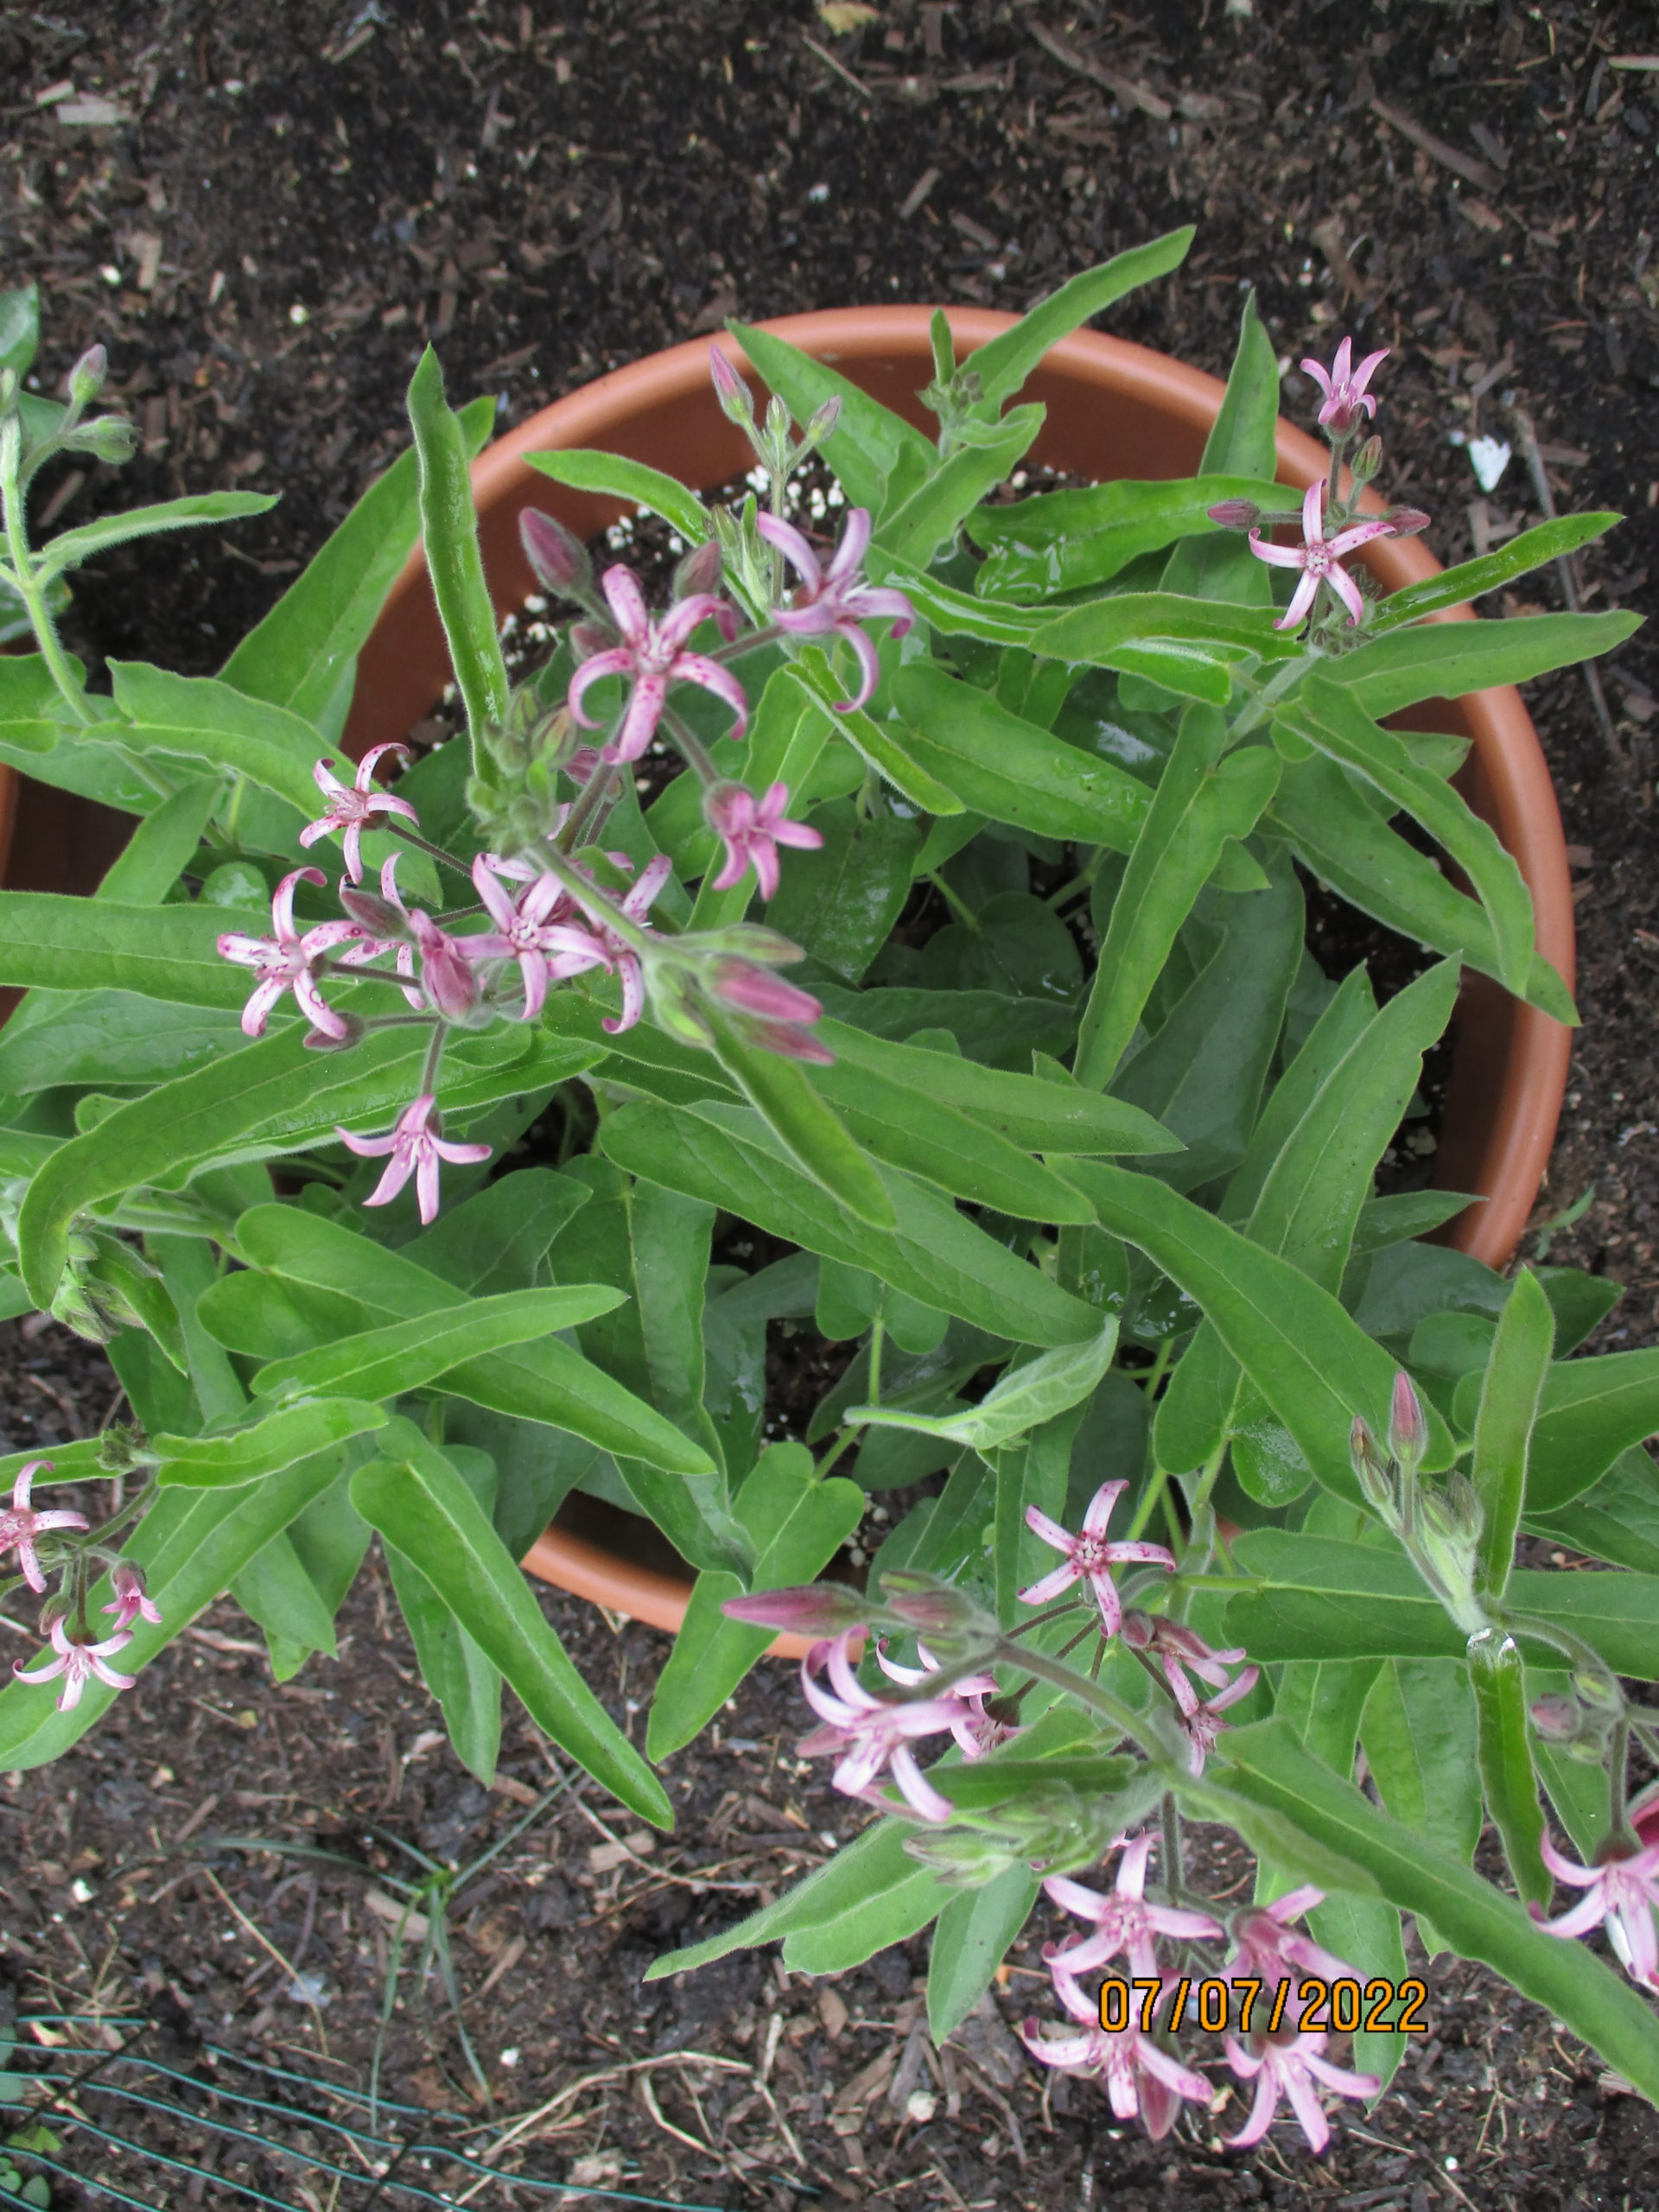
column 1114, row 410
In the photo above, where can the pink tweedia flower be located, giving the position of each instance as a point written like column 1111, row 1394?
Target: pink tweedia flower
column 751, row 829
column 653, row 655
column 779, row 1018
column 77, row 1662
column 1089, row 1555
column 835, row 600
column 1620, row 1893
column 1290, row 2066
column 416, row 1148
column 131, row 1600
column 977, row 1729
column 1319, row 557
column 1178, row 1647
column 1267, row 1948
column 1642, row 1814
column 535, row 930
column 609, row 951
column 1345, row 397
column 1142, row 2079
column 1202, row 1718
column 808, row 1609
column 867, row 1733
column 20, row 1524
column 1123, row 1922
column 352, row 807
column 284, row 961
column 448, row 985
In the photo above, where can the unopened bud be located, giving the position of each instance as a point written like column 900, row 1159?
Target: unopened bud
column 54, row 1610
column 755, row 990
column 813, row 1609
column 7, row 392
column 777, row 419
column 823, row 421
column 587, row 639
column 110, row 438
column 736, row 400
column 1408, row 521
column 1367, row 460
column 700, row 571
column 1556, row 1719
column 790, row 1042
column 1598, row 1690
column 1407, row 1427
column 1370, row 1470
column 87, row 377
column 321, row 1040
column 376, row 915
column 933, row 1608
column 1234, row 514
column 558, row 560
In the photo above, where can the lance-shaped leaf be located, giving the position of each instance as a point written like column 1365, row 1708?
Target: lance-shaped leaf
column 71, row 547
column 1325, row 715
column 1065, row 541
column 1009, row 769
column 449, row 535
column 1590, row 1411
column 1024, row 1397
column 1618, row 1520
column 1550, row 541
column 1507, row 1775
column 956, row 613
column 1098, row 632
column 1417, row 1732
column 420, row 1503
column 974, row 1931
column 404, row 1355
column 926, row 523
column 1444, row 660
column 32, row 707
column 612, row 476
column 727, row 1156
column 904, row 765
column 1003, row 363
column 199, row 718
column 1201, row 801
column 1312, row 1364
column 869, row 443
column 94, row 945
column 281, row 1440
column 804, row 1125
column 1514, row 1383
column 1243, row 441
column 1266, row 1764
column 546, row 1382
column 465, row 1684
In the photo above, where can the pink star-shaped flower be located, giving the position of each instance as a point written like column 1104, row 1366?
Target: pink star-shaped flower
column 1088, row 1556
column 1290, row 2066
column 285, row 960
column 976, row 1729
column 1319, row 557
column 867, row 1733
column 608, row 949
column 448, row 985
column 352, row 807
column 133, row 1602
column 20, row 1524
column 1267, row 1948
column 1123, row 1922
column 1178, row 1647
column 751, row 829
column 653, row 655
column 537, row 929
column 416, row 1148
column 1620, row 1894
column 1202, row 1720
column 835, row 602
column 78, row 1662
column 1346, row 398
column 1142, row 2081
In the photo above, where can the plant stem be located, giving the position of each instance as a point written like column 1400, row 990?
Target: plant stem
column 1145, row 1510
column 1174, row 1858
column 1099, row 1702
column 400, row 828
column 1254, row 711
column 27, row 586
column 697, row 755
column 963, row 914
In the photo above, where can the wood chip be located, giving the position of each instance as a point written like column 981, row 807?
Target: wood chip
column 832, row 2012
column 196, row 1818
column 918, row 192
column 416, row 1925
column 1479, row 174
column 1122, row 88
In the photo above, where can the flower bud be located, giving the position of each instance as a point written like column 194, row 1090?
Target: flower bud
column 823, row 421
column 1407, row 1427
column 123, row 1449
column 319, row 1040
column 1408, row 521
column 933, row 1608
column 110, row 438
column 7, row 392
column 1598, row 1690
column 700, row 571
column 1367, row 460
column 1234, row 514
column 587, row 639
column 736, row 400
column 812, row 1609
column 777, row 419
column 754, row 990
column 377, row 915
column 1556, row 1719
column 447, row 975
column 558, row 560
column 1370, row 1470
column 86, row 378
column 790, row 1042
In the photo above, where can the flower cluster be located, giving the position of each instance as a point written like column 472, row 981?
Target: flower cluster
column 1136, row 2061
column 867, row 1733
column 77, row 1655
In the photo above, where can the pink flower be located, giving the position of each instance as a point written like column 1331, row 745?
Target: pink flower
column 1202, row 1720
column 867, row 1733
column 448, row 985
column 286, row 961
column 608, row 949
column 22, row 1524
column 1291, row 2067
column 653, row 656
column 535, row 930
column 1268, row 1949
column 809, row 1609
column 416, row 1148
column 1089, row 1555
column 1620, row 1893
column 977, row 1729
column 1123, row 1922
column 1318, row 557
column 77, row 1662
column 1345, row 397
column 1178, row 1647
column 352, row 806
column 132, row 1601
column 1407, row 1426
column 778, row 1017
column 1641, row 1814
column 751, row 829
column 835, row 602
column 1141, row 2080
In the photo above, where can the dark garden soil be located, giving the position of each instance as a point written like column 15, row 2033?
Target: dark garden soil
column 264, row 211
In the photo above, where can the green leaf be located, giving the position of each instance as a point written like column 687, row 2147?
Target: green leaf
column 249, row 1455
column 1444, row 660
column 546, row 1382
column 1031, row 1472
column 303, row 654
column 1418, row 1732
column 1507, row 1778
column 32, row 708
column 1406, row 1214
column 496, row 1240
column 875, row 742
column 1201, row 801
column 1003, row 363
column 726, row 1155
column 201, row 719
column 419, row 1502
column 804, row 1125
column 869, row 443
column 1265, row 1763
column 449, row 534
column 956, row 613
column 840, row 903
column 1592, row 1411
column 926, row 523
column 1024, row 1398
column 464, row 1680
column 1012, row 770
column 1243, row 442
column 1099, row 632
column 1325, row 716
column 75, row 944
column 406, row 1355
column 71, row 547
column 612, row 476
column 1550, row 541
column 1060, row 542
column 275, row 1590
column 1311, row 1364
column 1342, row 840
column 1509, row 1397
column 974, row 1931
column 20, row 329
column 1618, row 1520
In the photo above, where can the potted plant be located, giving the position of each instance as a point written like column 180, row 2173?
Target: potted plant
column 1208, row 1473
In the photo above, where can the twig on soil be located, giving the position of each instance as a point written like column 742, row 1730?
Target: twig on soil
column 297, row 1987
column 831, row 63
column 1464, row 165
column 654, row 2111
column 523, row 2125
column 660, row 1874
